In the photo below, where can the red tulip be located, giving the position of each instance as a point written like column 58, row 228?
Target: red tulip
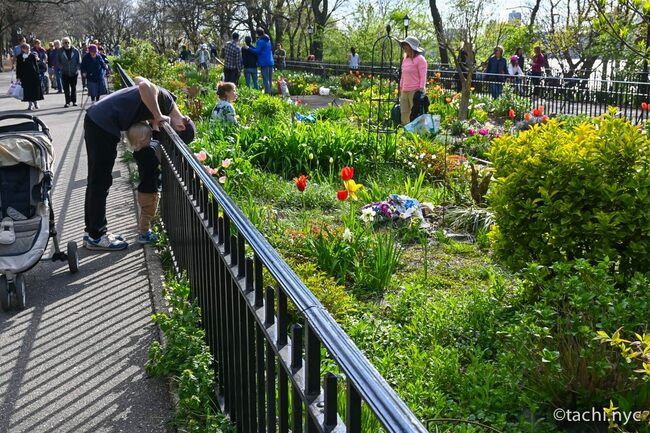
column 536, row 112
column 541, row 110
column 527, row 117
column 644, row 106
column 342, row 195
column 301, row 183
column 511, row 114
column 347, row 173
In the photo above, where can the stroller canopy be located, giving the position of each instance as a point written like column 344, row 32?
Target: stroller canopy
column 31, row 149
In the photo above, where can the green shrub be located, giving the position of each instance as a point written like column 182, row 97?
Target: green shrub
column 563, row 308
column 332, row 295
column 561, row 195
column 187, row 359
column 269, row 107
column 142, row 59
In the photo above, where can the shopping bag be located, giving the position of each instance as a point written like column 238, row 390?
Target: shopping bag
column 17, row 91
column 10, row 90
column 421, row 125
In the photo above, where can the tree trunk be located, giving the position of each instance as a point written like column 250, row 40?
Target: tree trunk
column 440, row 33
column 465, row 93
column 533, row 17
column 319, row 9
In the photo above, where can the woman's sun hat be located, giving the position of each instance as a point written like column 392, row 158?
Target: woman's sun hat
column 413, row 43
column 514, row 58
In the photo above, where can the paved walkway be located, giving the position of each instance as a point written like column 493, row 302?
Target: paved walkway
column 73, row 360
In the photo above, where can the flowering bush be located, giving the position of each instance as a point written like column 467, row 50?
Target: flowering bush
column 478, row 140
column 351, row 80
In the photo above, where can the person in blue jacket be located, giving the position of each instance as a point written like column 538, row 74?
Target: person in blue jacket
column 93, row 68
column 264, row 51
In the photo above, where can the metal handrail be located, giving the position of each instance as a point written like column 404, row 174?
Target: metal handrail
column 373, row 389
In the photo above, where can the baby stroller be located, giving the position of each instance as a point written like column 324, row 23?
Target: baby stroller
column 26, row 215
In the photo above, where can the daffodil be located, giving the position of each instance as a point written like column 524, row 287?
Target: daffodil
column 352, row 188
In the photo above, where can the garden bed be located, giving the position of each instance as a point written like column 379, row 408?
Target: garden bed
column 479, row 330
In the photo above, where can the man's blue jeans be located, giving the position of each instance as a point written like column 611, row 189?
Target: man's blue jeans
column 59, row 81
column 267, row 77
column 251, row 78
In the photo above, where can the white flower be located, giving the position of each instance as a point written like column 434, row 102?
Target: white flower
column 347, row 235
column 368, row 215
column 331, row 160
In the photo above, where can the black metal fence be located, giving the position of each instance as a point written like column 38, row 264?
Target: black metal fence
column 270, row 362
column 558, row 94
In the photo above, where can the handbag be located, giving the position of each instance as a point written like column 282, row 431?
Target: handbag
column 396, row 115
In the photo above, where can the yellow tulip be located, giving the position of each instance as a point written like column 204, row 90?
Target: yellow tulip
column 352, row 188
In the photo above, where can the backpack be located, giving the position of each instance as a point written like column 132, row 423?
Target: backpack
column 420, row 105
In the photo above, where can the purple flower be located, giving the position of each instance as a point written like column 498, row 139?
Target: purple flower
column 471, row 132
column 483, row 131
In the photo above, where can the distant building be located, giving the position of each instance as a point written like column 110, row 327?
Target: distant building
column 514, row 16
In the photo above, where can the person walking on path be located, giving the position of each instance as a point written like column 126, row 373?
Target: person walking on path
column 536, row 69
column 69, row 62
column 203, row 58
column 414, row 76
column 17, row 52
column 496, row 71
column 103, row 125
column 249, row 61
column 264, row 58
column 280, row 57
column 50, row 68
column 232, row 60
column 94, row 68
column 147, row 155
column 56, row 67
column 353, row 59
column 27, row 73
column 185, row 55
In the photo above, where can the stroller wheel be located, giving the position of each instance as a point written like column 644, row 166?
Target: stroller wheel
column 73, row 257
column 20, row 292
column 5, row 296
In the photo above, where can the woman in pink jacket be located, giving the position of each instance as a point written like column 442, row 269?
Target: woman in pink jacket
column 414, row 76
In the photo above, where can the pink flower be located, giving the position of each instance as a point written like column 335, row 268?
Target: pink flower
column 201, row 156
column 226, row 163
column 483, row 131
column 471, row 132
column 222, row 179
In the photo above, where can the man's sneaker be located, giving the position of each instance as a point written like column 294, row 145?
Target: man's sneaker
column 147, row 238
column 110, row 235
column 105, row 243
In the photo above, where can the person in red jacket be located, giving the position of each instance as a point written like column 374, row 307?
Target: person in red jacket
column 536, row 69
